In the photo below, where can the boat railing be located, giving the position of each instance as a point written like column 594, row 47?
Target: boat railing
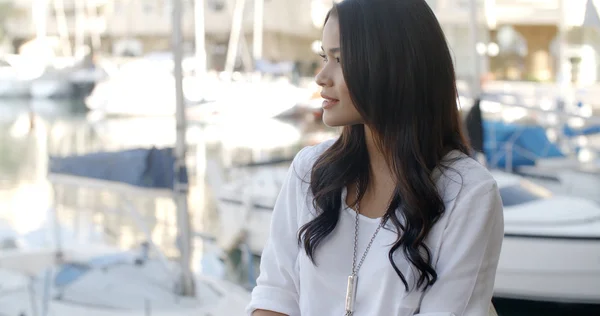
column 513, row 142
column 125, row 193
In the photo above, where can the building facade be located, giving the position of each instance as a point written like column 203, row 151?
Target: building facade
column 521, row 39
column 134, row 27
column 517, row 39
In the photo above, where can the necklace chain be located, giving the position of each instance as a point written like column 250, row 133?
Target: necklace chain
column 355, row 267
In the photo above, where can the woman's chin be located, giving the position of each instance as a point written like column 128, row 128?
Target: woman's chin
column 330, row 120
column 333, row 120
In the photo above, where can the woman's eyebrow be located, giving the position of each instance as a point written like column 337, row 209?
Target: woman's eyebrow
column 332, row 50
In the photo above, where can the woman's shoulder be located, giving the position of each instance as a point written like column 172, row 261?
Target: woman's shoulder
column 307, row 156
column 461, row 173
column 313, row 152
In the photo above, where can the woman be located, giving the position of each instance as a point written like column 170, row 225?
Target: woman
column 393, row 217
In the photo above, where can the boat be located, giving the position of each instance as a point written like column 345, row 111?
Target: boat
column 551, row 208
column 257, row 161
column 97, row 279
column 310, row 108
column 74, row 79
column 144, row 87
column 14, row 81
column 245, row 205
column 551, row 244
column 51, row 87
column 247, row 100
column 9, row 239
column 523, row 146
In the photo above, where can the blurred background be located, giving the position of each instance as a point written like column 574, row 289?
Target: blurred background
column 143, row 144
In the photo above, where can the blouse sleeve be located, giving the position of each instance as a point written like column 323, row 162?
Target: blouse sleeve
column 469, row 255
column 277, row 284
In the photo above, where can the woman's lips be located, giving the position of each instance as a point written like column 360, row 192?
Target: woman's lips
column 329, row 102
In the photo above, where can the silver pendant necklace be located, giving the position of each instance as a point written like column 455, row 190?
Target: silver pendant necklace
column 353, row 278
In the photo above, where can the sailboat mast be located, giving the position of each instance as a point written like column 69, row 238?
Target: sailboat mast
column 563, row 67
column 40, row 18
column 563, row 99
column 63, row 28
column 234, row 36
column 474, row 37
column 258, row 29
column 200, row 38
column 80, row 27
column 181, row 179
column 93, row 31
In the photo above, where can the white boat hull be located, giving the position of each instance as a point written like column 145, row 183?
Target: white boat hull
column 14, row 88
column 251, row 229
column 245, row 206
column 19, row 302
column 551, row 249
column 150, row 97
column 108, row 291
column 549, row 269
column 45, row 89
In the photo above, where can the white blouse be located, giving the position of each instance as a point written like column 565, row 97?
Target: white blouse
column 465, row 244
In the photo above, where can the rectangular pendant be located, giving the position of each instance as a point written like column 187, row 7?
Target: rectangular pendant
column 351, row 293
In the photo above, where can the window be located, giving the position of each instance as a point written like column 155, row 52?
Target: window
column 117, row 7
column 148, row 8
column 216, row 5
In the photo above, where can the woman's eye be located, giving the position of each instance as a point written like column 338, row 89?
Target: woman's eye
column 323, row 57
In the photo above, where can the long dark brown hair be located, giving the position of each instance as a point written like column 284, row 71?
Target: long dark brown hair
column 399, row 72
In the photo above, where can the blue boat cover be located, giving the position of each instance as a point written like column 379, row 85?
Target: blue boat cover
column 70, row 272
column 530, row 139
column 142, row 167
column 584, row 131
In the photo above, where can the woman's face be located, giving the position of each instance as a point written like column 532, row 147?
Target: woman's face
column 338, row 108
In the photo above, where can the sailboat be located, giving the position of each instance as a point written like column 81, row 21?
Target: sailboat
column 100, row 280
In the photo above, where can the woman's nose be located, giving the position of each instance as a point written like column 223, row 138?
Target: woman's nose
column 323, row 79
